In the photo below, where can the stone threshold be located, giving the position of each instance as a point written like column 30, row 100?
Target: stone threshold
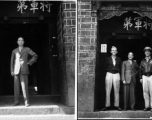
column 38, row 117
column 39, row 105
column 116, row 114
column 36, row 110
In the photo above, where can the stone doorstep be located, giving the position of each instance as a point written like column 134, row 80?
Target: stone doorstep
column 39, row 104
column 36, row 110
column 116, row 114
column 38, row 117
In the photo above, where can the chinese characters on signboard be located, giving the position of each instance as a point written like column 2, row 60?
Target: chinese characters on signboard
column 139, row 23
column 33, row 6
column 103, row 48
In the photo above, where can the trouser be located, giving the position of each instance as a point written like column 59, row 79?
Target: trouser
column 23, row 79
column 147, row 90
column 129, row 94
column 115, row 80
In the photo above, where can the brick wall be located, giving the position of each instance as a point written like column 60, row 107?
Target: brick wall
column 86, row 56
column 66, row 45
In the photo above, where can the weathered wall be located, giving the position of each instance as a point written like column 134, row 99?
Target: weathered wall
column 86, row 56
column 66, row 45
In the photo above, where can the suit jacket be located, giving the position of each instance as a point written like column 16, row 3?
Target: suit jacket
column 19, row 60
column 129, row 71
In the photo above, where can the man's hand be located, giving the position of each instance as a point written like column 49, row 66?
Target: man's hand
column 124, row 82
column 12, row 73
column 141, row 80
column 29, row 64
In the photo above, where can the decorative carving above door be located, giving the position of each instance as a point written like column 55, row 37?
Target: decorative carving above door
column 110, row 9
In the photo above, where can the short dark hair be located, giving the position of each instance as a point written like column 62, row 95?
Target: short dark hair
column 147, row 49
column 131, row 52
column 20, row 37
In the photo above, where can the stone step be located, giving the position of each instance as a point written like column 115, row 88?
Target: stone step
column 38, row 117
column 36, row 110
column 39, row 105
column 116, row 114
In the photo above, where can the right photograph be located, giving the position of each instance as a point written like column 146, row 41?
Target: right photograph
column 114, row 59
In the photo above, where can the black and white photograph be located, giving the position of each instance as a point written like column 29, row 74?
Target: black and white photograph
column 114, row 59
column 37, row 49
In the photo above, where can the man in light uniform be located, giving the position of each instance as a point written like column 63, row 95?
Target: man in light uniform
column 113, row 68
column 20, row 71
column 146, row 78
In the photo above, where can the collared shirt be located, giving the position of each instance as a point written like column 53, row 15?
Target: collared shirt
column 147, row 58
column 114, row 60
column 130, row 61
column 110, row 66
column 20, row 49
column 146, row 66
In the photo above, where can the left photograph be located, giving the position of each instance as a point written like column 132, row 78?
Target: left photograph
column 37, row 49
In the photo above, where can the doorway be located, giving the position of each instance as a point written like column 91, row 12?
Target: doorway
column 124, row 46
column 37, row 37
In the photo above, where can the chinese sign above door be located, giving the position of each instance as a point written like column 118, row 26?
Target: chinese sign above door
column 137, row 22
column 34, row 5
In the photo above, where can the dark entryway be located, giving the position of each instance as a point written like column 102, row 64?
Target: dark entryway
column 40, row 39
column 112, row 33
column 124, row 46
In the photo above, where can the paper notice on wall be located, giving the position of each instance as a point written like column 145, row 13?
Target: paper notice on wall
column 103, row 48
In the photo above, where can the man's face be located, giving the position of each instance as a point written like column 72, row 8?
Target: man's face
column 20, row 41
column 130, row 56
column 113, row 51
column 147, row 53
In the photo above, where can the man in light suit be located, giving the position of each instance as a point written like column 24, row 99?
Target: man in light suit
column 128, row 73
column 113, row 68
column 20, row 71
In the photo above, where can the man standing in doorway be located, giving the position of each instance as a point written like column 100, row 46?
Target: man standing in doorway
column 146, row 78
column 20, row 71
column 113, row 68
column 129, row 72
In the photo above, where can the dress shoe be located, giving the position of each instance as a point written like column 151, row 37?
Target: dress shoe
column 133, row 109
column 146, row 109
column 118, row 108
column 104, row 109
column 125, row 109
column 27, row 105
column 15, row 104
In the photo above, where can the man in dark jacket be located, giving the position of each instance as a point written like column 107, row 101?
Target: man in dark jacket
column 20, row 71
column 113, row 68
column 146, row 78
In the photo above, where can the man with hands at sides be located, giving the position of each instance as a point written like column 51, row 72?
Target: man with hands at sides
column 129, row 71
column 146, row 78
column 113, row 69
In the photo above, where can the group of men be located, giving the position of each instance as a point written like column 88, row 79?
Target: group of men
column 127, row 71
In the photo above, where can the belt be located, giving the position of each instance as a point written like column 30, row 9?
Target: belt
column 113, row 72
